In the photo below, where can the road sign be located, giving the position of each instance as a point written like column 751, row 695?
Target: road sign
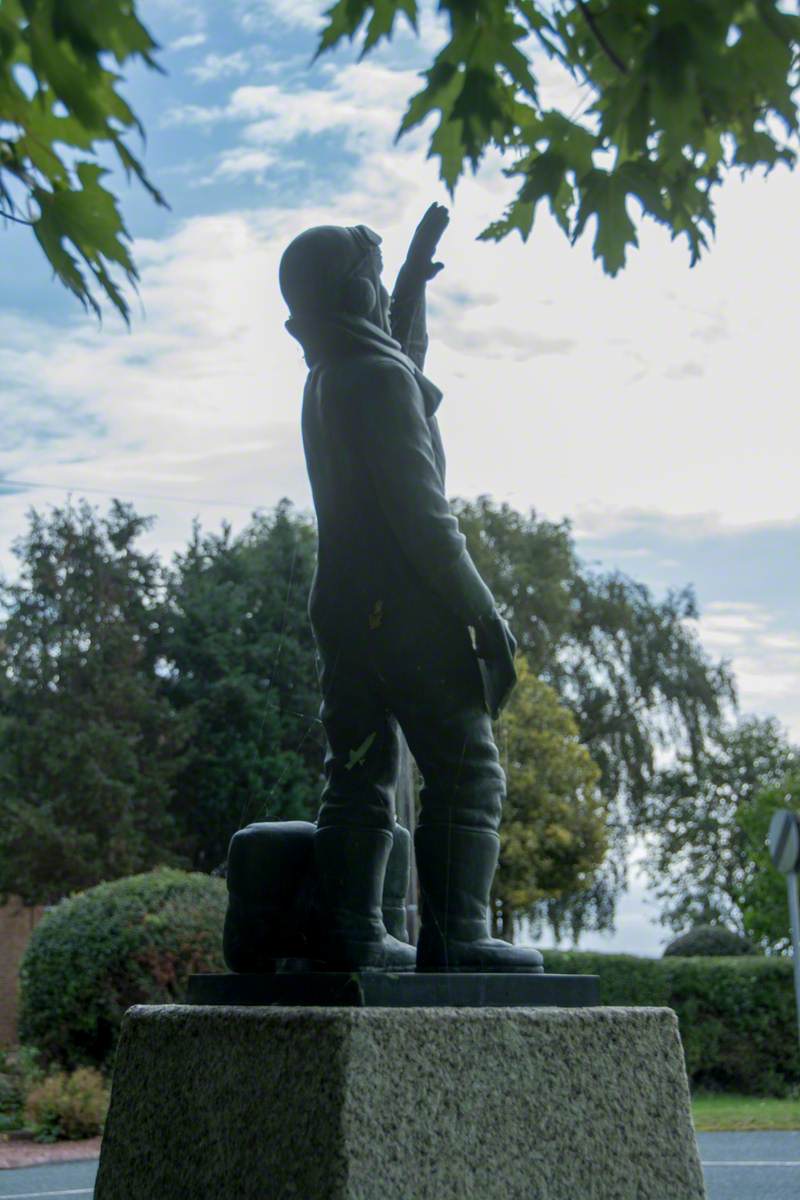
column 784, row 841
column 784, row 847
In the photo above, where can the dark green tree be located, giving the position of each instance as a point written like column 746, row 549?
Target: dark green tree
column 674, row 95
column 242, row 671
column 704, row 820
column 88, row 745
column 60, row 108
column 634, row 675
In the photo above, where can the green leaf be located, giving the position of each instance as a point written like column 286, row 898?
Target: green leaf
column 677, row 94
column 448, row 145
column 344, row 20
column 546, row 177
column 642, row 180
column 68, row 45
column 381, row 24
column 603, row 196
column 88, row 218
column 444, row 82
column 479, row 106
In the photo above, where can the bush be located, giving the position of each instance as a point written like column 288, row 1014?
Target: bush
column 68, row 1106
column 19, row 1071
column 133, row 941
column 736, row 1015
column 713, row 940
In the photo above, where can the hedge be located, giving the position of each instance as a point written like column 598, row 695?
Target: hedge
column 713, row 940
column 133, row 941
column 737, row 1016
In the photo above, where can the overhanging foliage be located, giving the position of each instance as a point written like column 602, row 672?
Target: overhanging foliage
column 676, row 95
column 60, row 108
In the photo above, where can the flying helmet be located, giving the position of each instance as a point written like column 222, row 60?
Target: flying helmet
column 330, row 269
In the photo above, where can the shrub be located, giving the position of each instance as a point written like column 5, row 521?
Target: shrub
column 736, row 1015
column 134, row 941
column 738, row 1022
column 624, row 978
column 713, row 940
column 68, row 1106
column 19, row 1071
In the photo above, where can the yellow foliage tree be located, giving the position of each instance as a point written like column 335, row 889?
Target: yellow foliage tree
column 554, row 832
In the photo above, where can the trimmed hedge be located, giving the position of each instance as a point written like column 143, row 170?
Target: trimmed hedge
column 713, row 940
column 737, row 1016
column 133, row 941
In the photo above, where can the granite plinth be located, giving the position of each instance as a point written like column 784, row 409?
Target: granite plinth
column 382, row 989
column 399, row 1104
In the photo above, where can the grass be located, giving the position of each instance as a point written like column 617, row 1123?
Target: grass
column 713, row 1113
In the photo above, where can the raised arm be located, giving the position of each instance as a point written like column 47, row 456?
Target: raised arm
column 407, row 312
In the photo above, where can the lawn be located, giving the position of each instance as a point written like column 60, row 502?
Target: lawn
column 717, row 1112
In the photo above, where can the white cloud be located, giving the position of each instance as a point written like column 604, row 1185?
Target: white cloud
column 362, row 103
column 220, row 66
column 188, row 41
column 260, row 16
column 199, row 401
column 765, row 656
column 192, row 114
column 736, row 606
column 788, row 643
column 685, row 370
column 240, row 163
column 187, row 13
column 736, row 622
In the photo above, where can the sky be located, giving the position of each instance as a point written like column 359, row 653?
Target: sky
column 657, row 410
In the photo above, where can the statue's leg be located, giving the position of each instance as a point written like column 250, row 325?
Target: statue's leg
column 396, row 884
column 354, row 837
column 438, row 701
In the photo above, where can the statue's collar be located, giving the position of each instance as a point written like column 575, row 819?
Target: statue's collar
column 332, row 337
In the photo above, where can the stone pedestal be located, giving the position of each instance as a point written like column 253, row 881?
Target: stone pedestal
column 250, row 1103
column 383, row 989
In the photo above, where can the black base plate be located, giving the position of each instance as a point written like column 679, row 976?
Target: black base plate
column 383, row 989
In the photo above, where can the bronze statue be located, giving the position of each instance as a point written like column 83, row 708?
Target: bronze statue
column 407, row 631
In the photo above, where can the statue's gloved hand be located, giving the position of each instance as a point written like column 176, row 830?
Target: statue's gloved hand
column 419, row 259
column 495, row 646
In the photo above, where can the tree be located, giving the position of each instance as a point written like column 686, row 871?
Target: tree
column 703, row 855
column 59, row 110
column 762, row 891
column 242, row 672
column 630, row 669
column 675, row 96
column 88, row 746
column 553, row 836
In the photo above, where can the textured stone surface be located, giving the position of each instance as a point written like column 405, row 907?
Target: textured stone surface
column 399, row 1104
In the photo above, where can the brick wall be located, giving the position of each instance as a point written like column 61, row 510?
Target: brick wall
column 16, row 925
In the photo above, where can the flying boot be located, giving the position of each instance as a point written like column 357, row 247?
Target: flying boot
column 395, row 885
column 351, row 867
column 456, row 866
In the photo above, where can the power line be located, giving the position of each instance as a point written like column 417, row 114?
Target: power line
column 27, row 483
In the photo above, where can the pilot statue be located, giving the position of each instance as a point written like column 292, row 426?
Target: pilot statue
column 407, row 632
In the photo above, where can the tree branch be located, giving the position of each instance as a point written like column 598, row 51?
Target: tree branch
column 11, row 217
column 608, row 50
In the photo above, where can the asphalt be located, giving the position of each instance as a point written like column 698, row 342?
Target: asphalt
column 738, row 1166
column 751, row 1166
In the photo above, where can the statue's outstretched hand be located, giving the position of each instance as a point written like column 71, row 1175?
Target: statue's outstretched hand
column 426, row 239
